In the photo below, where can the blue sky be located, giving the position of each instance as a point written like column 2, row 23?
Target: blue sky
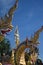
column 28, row 17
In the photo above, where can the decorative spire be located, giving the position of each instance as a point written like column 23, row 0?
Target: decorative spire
column 17, row 41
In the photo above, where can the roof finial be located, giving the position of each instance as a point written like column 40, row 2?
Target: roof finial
column 16, row 34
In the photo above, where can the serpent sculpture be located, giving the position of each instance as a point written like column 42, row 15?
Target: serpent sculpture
column 27, row 44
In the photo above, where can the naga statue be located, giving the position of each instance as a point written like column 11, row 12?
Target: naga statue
column 35, row 38
column 33, row 50
column 5, row 22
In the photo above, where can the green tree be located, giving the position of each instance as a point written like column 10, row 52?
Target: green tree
column 5, row 46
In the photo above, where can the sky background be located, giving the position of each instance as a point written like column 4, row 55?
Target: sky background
column 28, row 17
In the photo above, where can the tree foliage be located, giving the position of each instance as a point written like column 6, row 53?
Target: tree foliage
column 5, row 46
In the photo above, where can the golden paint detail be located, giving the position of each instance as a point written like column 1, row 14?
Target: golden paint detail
column 12, row 57
column 35, row 38
column 1, row 37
